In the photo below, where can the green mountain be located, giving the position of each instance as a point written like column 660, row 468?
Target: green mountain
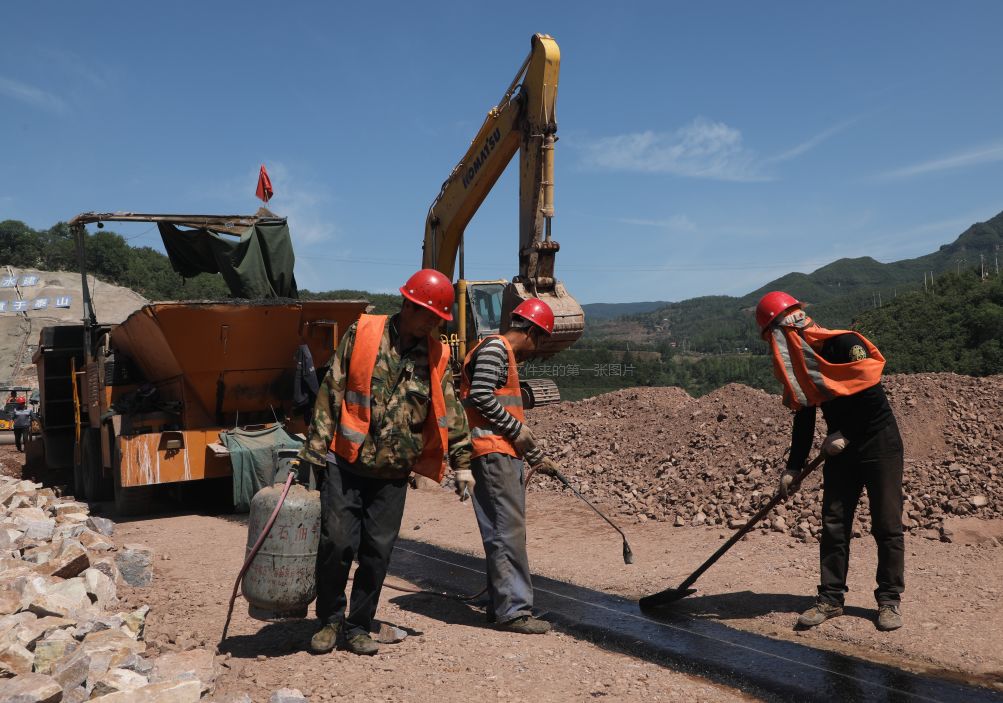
column 142, row 269
column 955, row 325
column 835, row 295
column 610, row 311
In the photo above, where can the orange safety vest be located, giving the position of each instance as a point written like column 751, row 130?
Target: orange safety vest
column 482, row 434
column 810, row 380
column 353, row 422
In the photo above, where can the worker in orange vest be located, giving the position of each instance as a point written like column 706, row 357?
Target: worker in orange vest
column 387, row 407
column 839, row 371
column 489, row 389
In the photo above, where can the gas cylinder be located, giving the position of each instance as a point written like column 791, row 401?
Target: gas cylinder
column 280, row 582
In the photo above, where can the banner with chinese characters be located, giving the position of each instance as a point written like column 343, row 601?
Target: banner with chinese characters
column 27, row 280
column 41, row 303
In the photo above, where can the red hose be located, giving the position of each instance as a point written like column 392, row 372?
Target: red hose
column 254, row 551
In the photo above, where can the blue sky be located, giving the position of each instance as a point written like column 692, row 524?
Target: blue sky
column 704, row 148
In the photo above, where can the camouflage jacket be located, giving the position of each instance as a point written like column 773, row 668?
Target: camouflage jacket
column 401, row 402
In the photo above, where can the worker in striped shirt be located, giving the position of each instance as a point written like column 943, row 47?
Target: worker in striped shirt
column 491, row 397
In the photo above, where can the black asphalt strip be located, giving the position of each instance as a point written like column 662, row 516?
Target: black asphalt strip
column 768, row 668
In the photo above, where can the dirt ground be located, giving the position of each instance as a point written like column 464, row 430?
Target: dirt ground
column 450, row 655
column 696, row 463
column 952, row 611
column 951, row 607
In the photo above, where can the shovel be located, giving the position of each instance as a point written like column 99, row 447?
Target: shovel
column 671, row 595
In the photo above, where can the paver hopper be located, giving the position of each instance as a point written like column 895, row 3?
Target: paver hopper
column 144, row 402
column 214, row 366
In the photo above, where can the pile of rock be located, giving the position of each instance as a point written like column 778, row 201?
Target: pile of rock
column 63, row 634
column 658, row 454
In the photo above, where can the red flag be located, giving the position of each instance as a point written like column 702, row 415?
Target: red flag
column 264, row 191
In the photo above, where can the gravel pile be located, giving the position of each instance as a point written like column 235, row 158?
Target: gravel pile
column 658, row 454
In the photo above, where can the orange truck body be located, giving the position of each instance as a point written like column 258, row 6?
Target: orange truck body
column 211, row 366
column 226, row 364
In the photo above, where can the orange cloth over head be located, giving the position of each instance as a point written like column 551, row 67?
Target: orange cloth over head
column 807, row 378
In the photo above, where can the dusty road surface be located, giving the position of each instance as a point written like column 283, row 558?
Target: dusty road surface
column 952, row 607
column 675, row 472
column 451, row 655
column 953, row 617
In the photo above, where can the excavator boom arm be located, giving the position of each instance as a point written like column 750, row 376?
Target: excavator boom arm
column 524, row 121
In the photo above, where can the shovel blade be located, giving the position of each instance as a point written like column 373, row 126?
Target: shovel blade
column 664, row 598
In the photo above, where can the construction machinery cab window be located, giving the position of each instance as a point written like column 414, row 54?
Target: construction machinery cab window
column 486, row 305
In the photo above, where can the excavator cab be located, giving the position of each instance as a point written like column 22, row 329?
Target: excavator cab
column 482, row 304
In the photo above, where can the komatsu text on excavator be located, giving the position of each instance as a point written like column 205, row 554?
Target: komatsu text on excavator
column 524, row 121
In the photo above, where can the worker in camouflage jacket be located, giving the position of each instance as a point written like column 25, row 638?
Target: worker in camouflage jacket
column 387, row 407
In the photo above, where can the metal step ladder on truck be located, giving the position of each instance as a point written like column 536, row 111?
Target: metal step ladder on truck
column 126, row 408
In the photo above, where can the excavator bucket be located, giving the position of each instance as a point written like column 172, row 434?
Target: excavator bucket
column 569, row 318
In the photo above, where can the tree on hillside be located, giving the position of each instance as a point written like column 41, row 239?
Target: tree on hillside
column 957, row 326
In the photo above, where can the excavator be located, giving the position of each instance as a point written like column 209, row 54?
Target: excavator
column 523, row 121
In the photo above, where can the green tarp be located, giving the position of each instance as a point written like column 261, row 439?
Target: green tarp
column 257, row 265
column 254, row 456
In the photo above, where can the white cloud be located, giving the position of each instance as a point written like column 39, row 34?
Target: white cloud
column 987, row 153
column 307, row 205
column 811, row 143
column 30, row 95
column 701, row 149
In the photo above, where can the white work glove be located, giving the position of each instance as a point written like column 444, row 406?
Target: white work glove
column 525, row 441
column 464, row 479
column 786, row 482
column 834, row 444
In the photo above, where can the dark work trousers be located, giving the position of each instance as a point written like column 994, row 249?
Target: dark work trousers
column 360, row 519
column 500, row 506
column 875, row 463
column 19, row 434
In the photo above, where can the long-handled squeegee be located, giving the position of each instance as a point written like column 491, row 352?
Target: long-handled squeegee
column 628, row 555
column 671, row 595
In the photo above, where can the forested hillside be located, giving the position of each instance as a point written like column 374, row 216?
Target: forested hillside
column 952, row 323
column 956, row 325
column 143, row 269
column 938, row 312
column 835, row 294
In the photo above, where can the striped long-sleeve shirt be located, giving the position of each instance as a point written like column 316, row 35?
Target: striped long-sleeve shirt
column 488, row 373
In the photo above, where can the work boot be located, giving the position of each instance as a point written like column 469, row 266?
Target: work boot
column 362, row 643
column 324, row 639
column 818, row 614
column 526, row 625
column 889, row 617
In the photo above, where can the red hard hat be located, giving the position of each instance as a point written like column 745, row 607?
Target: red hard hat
column 771, row 306
column 537, row 312
column 430, row 289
